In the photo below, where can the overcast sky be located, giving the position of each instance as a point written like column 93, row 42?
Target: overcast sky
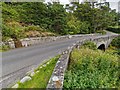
column 113, row 3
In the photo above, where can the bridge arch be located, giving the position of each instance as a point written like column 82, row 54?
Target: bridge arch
column 102, row 47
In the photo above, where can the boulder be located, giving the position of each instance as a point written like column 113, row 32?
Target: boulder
column 32, row 74
column 26, row 78
column 15, row 86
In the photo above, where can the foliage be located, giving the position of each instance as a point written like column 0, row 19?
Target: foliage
column 58, row 16
column 89, row 45
column 53, row 17
column 34, row 28
column 92, row 69
column 8, row 12
column 4, row 48
column 98, row 18
column 116, row 42
column 40, row 79
column 12, row 29
column 73, row 24
column 101, row 32
column 113, row 50
column 114, row 29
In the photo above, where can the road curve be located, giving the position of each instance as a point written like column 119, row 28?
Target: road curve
column 14, row 61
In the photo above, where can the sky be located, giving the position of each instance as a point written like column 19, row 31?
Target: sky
column 113, row 3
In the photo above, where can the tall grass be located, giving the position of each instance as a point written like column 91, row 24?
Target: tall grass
column 92, row 69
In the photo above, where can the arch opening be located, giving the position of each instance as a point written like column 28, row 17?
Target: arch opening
column 102, row 47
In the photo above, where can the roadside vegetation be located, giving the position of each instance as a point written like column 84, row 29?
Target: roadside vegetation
column 92, row 68
column 41, row 78
column 115, row 44
column 115, row 29
column 4, row 48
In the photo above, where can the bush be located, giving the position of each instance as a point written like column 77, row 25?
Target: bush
column 12, row 29
column 116, row 42
column 85, row 28
column 101, row 31
column 33, row 28
column 115, row 30
column 4, row 48
column 92, row 69
column 89, row 45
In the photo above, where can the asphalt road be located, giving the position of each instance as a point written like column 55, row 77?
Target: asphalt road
column 15, row 60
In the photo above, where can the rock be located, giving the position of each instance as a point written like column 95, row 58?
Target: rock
column 66, row 52
column 10, row 40
column 15, row 86
column 68, row 47
column 54, row 39
column 41, row 67
column 26, row 78
column 26, row 39
column 37, row 71
column 32, row 74
column 63, row 53
column 48, row 62
column 58, row 61
column 55, row 78
column 61, row 67
column 11, row 45
column 69, row 37
column 44, row 65
column 74, row 44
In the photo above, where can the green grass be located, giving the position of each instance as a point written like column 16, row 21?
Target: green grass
column 116, row 42
column 101, row 32
column 4, row 48
column 92, row 69
column 40, row 79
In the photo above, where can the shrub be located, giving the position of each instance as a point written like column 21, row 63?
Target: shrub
column 116, row 42
column 33, row 28
column 89, row 45
column 12, row 29
column 101, row 31
column 4, row 48
column 92, row 69
column 114, row 29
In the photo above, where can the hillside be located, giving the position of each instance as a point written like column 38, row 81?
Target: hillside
column 33, row 19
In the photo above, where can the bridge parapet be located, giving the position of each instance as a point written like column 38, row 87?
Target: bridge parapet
column 57, row 78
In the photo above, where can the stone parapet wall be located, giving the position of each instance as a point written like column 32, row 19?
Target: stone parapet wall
column 38, row 40
column 57, row 77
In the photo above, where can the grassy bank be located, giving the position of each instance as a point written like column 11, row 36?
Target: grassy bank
column 4, row 48
column 40, row 79
column 115, row 29
column 92, row 69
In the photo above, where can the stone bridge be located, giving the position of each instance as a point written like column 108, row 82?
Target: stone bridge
column 102, row 42
column 57, row 77
column 17, row 62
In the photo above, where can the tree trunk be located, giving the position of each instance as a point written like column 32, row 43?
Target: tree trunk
column 17, row 43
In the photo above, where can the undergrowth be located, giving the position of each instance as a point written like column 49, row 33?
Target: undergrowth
column 92, row 69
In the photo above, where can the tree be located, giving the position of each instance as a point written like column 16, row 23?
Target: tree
column 58, row 16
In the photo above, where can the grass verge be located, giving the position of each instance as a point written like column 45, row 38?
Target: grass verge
column 92, row 69
column 4, row 48
column 40, row 79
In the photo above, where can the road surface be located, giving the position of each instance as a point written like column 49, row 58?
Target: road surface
column 15, row 63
